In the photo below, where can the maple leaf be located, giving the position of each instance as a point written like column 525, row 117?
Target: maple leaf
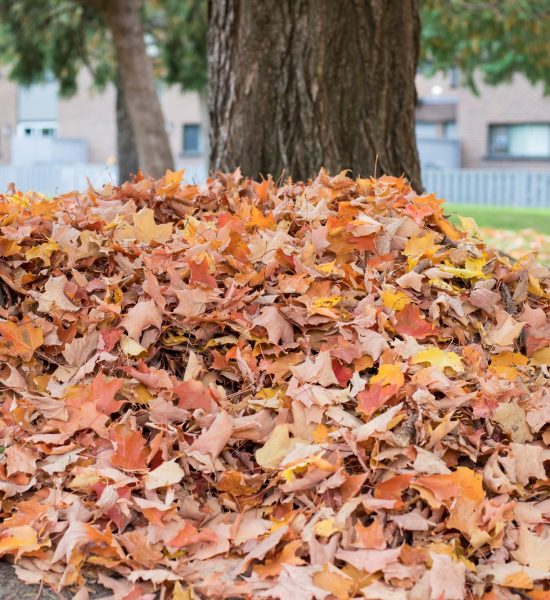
column 200, row 274
column 146, row 230
column 168, row 473
column 410, row 322
column 395, row 300
column 439, row 358
column 103, row 392
column 277, row 327
column 54, row 296
column 20, row 339
column 277, row 446
column 389, row 374
column 130, row 448
column 140, row 317
column 19, row 539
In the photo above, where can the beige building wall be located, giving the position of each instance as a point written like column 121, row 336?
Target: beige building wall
column 90, row 115
column 514, row 102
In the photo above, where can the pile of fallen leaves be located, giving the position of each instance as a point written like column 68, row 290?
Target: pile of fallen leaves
column 250, row 391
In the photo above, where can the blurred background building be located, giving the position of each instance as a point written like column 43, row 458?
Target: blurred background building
column 505, row 126
column 473, row 148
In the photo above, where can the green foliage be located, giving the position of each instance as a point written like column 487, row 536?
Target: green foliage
column 44, row 38
column 179, row 31
column 502, row 217
column 496, row 38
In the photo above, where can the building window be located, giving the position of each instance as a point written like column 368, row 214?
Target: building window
column 450, row 131
column 37, row 129
column 192, row 139
column 526, row 140
column 427, row 130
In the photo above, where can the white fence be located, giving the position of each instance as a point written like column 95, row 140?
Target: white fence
column 56, row 179
column 472, row 186
column 498, row 187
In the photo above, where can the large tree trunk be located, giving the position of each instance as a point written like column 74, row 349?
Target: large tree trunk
column 136, row 72
column 128, row 161
column 300, row 84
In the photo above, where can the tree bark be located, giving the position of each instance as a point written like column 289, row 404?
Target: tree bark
column 122, row 17
column 299, row 84
column 128, row 162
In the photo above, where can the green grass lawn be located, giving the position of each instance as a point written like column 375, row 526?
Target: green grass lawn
column 503, row 217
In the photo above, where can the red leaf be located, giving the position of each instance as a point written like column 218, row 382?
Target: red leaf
column 130, row 448
column 200, row 274
column 410, row 321
column 192, row 394
column 103, row 393
column 393, row 488
column 343, row 373
column 375, row 396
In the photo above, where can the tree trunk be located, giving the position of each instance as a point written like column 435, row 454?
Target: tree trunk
column 138, row 82
column 128, row 162
column 300, row 84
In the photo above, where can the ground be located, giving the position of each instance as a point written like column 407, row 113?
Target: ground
column 13, row 589
column 514, row 231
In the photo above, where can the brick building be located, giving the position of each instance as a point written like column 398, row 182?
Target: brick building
column 506, row 126
column 38, row 127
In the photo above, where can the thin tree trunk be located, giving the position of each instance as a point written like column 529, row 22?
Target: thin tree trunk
column 136, row 72
column 300, row 84
column 128, row 162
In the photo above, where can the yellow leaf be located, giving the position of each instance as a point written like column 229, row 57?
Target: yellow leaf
column 440, row 359
column 503, row 364
column 395, row 299
column 320, row 434
column 441, row 284
column 507, row 359
column 191, row 230
column 389, row 374
column 518, row 580
column 420, row 246
column 541, row 357
column 470, row 226
column 130, row 347
column 325, row 528
column 473, row 269
column 277, row 446
column 146, row 230
column 302, row 466
column 142, row 395
column 86, row 478
column 170, row 182
column 224, row 340
column 335, row 581
column 8, row 247
column 20, row 339
column 22, row 538
column 327, row 301
column 181, row 594
column 43, row 252
column 535, row 287
column 326, row 268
